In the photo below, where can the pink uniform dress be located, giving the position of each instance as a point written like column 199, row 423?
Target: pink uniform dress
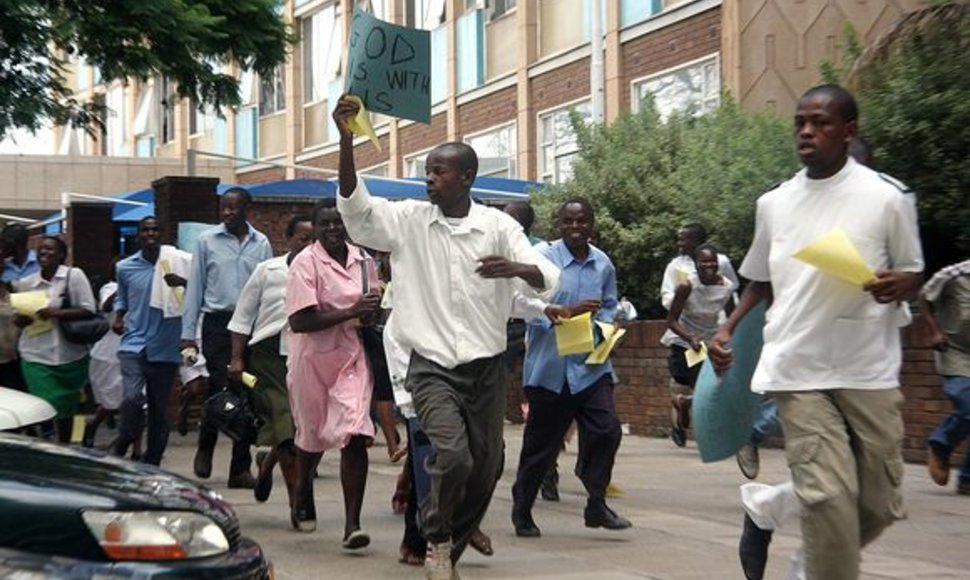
column 328, row 378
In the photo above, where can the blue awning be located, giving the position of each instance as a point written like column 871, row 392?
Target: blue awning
column 484, row 188
column 313, row 188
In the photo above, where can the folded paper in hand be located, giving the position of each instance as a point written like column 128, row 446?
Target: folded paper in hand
column 695, row 357
column 611, row 336
column 575, row 335
column 835, row 254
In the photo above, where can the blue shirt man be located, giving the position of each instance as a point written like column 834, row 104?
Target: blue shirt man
column 149, row 350
column 222, row 262
column 562, row 389
column 19, row 262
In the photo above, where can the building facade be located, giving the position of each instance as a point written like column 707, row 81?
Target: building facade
column 505, row 74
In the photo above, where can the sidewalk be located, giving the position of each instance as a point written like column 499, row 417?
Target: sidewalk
column 686, row 518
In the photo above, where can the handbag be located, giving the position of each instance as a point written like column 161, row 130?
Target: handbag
column 82, row 330
column 230, row 412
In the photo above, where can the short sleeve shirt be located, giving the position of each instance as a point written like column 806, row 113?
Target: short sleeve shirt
column 51, row 348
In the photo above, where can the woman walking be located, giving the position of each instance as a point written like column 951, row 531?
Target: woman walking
column 54, row 369
column 332, row 287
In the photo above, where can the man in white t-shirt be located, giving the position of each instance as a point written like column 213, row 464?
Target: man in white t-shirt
column 831, row 354
column 678, row 269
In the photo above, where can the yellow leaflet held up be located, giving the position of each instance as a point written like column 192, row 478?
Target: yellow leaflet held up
column 611, row 336
column 249, row 380
column 360, row 124
column 575, row 335
column 836, row 255
column 177, row 291
column 28, row 303
column 695, row 357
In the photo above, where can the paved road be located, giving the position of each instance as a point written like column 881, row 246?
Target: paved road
column 686, row 518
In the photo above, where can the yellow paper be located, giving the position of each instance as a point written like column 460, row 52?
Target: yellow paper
column 360, row 124
column 177, row 291
column 681, row 275
column 611, row 335
column 575, row 335
column 77, row 429
column 695, row 357
column 249, row 380
column 28, row 303
column 835, row 254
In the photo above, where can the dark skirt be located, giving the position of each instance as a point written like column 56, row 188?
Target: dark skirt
column 270, row 397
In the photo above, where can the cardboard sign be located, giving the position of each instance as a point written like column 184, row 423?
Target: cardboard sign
column 389, row 68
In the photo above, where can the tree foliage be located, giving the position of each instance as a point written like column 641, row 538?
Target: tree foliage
column 913, row 87
column 646, row 177
column 188, row 41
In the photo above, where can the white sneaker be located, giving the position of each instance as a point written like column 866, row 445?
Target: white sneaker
column 437, row 562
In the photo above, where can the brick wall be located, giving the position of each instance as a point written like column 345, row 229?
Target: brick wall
column 495, row 109
column 563, row 85
column 270, row 216
column 643, row 400
column 184, row 199
column 91, row 238
column 668, row 47
column 418, row 136
column 261, row 175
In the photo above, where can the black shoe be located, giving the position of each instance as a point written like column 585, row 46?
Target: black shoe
column 264, row 479
column 90, row 430
column 549, row 490
column 303, row 515
column 202, row 464
column 753, row 549
column 678, row 436
column 525, row 526
column 600, row 516
column 244, row 480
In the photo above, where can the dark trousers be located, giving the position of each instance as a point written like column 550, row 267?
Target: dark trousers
column 549, row 417
column 461, row 411
column 148, row 383
column 217, row 349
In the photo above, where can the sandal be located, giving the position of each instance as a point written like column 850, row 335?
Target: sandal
column 481, row 542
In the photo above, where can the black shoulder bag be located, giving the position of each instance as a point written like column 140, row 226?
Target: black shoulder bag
column 82, row 330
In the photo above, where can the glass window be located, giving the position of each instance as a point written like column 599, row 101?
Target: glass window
column 167, row 100
column 376, row 7
column 414, row 164
column 695, row 87
column 500, row 7
column 272, row 93
column 426, row 14
column 558, row 145
column 200, row 120
column 496, row 151
column 322, row 45
column 116, row 122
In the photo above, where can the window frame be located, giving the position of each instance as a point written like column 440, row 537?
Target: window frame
column 553, row 175
column 635, row 84
column 512, row 165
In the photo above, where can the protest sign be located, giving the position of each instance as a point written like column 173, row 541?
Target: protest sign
column 389, row 68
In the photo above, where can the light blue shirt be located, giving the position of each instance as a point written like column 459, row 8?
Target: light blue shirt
column 11, row 271
column 221, row 266
column 146, row 329
column 592, row 279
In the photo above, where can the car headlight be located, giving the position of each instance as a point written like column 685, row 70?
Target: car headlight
column 155, row 535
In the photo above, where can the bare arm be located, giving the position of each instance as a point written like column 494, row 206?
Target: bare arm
column 346, row 169
column 313, row 319
column 720, row 352
column 681, row 294
column 928, row 316
column 236, row 364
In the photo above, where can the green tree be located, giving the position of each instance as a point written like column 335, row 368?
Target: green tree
column 913, row 87
column 185, row 40
column 646, row 177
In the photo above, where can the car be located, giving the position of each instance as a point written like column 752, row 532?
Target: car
column 68, row 512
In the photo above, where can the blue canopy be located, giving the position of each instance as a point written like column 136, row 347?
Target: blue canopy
column 484, row 188
column 317, row 188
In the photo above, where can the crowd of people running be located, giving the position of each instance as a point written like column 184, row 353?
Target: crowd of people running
column 417, row 311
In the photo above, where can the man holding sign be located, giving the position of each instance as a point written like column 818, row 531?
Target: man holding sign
column 831, row 354
column 457, row 265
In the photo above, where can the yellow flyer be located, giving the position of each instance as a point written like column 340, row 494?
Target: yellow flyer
column 696, row 357
column 611, row 336
column 836, row 255
column 28, row 303
column 575, row 335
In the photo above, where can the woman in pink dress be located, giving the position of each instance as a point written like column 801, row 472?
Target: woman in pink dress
column 328, row 293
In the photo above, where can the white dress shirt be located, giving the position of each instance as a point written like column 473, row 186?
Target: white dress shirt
column 261, row 311
column 51, row 348
column 445, row 311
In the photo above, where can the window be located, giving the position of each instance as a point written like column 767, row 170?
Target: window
column 426, row 14
column 272, row 93
column 496, row 151
column 376, row 7
column 166, row 101
column 499, row 7
column 414, row 164
column 381, row 170
column 694, row 87
column 322, row 46
column 116, row 122
column 558, row 146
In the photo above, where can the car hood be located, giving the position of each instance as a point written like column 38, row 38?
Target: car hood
column 46, row 487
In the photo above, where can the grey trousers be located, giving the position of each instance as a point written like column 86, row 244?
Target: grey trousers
column 461, row 411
